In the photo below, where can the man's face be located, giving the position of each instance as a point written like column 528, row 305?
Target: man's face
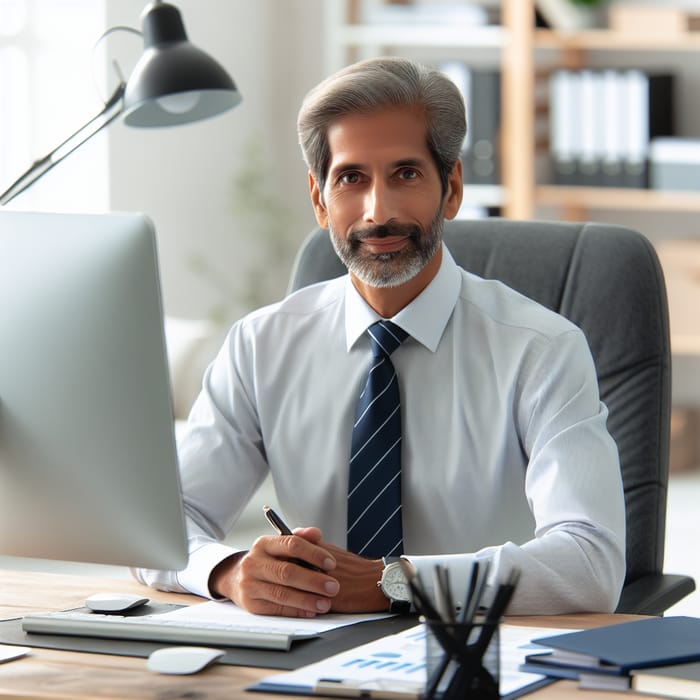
column 383, row 200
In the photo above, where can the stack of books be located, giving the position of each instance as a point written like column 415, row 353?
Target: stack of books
column 613, row 657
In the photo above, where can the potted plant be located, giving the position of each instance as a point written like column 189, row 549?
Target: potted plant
column 570, row 15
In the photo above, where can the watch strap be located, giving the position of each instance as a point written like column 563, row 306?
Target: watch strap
column 396, row 606
column 399, row 607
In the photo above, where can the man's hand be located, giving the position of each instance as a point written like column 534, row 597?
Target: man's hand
column 265, row 580
column 358, row 578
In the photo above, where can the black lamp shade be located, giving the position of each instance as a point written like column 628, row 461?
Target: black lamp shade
column 174, row 82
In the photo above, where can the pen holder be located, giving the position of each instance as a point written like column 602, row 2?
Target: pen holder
column 462, row 660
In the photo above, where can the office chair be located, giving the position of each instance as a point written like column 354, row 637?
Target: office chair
column 607, row 280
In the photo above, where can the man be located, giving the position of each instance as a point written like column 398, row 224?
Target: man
column 503, row 452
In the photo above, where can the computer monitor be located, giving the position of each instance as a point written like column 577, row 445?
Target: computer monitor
column 88, row 466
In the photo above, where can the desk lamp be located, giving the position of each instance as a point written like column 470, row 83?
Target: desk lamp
column 173, row 83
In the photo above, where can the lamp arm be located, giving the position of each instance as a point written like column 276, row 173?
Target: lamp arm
column 111, row 110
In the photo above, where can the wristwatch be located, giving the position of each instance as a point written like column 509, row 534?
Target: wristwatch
column 394, row 586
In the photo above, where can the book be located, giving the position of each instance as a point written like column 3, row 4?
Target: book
column 677, row 681
column 619, row 649
column 600, row 679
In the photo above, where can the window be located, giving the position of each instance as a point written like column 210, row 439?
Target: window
column 48, row 90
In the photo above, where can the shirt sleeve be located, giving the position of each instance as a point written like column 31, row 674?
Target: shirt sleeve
column 222, row 464
column 575, row 561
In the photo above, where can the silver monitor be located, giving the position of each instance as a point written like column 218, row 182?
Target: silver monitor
column 88, row 467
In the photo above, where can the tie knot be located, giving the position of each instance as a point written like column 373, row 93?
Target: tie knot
column 386, row 337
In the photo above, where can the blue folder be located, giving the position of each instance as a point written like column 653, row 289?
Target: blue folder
column 620, row 648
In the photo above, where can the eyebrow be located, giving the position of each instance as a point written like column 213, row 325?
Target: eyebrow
column 401, row 163
column 419, row 162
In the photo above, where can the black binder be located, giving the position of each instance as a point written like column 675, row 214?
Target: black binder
column 481, row 157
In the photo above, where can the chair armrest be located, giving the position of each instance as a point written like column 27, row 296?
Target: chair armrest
column 654, row 593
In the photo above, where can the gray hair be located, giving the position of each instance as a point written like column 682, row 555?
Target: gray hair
column 379, row 83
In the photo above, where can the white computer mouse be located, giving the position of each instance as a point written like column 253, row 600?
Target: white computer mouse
column 182, row 660
column 114, row 602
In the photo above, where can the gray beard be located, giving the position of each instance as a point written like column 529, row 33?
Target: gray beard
column 395, row 268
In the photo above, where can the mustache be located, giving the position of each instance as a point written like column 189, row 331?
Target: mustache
column 412, row 231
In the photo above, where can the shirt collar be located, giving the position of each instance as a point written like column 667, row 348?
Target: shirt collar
column 425, row 318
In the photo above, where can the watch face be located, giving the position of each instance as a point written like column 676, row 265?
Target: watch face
column 394, row 584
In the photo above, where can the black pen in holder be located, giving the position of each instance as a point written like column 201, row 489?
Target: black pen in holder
column 462, row 660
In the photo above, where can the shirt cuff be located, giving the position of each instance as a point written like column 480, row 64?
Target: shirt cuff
column 195, row 576
column 459, row 568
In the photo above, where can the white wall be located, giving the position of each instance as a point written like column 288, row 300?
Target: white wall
column 184, row 177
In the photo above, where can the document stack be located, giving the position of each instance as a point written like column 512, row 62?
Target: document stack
column 454, row 653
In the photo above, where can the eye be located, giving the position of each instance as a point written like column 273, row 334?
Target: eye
column 408, row 174
column 350, row 178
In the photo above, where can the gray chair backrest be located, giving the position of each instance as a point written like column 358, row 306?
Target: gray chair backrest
column 608, row 281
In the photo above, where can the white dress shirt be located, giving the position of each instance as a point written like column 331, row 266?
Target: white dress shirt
column 505, row 449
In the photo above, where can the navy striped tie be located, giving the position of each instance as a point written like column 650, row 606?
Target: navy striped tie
column 374, row 489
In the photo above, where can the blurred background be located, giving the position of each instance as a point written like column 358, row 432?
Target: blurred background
column 228, row 195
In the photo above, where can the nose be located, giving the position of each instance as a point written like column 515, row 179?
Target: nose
column 379, row 205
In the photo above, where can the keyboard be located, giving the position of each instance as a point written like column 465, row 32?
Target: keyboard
column 150, row 628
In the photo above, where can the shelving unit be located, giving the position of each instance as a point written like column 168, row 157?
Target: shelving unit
column 572, row 49
column 519, row 46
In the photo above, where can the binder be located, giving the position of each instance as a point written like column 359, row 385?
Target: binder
column 615, row 117
column 649, row 101
column 564, row 115
column 593, row 126
column 602, row 122
column 634, row 87
column 481, row 155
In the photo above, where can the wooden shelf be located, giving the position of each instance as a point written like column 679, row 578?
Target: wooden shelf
column 607, row 40
column 613, row 198
column 438, row 36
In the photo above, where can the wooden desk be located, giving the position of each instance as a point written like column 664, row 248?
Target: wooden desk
column 67, row 675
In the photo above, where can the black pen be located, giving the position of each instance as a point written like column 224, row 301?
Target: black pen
column 283, row 529
column 276, row 521
column 495, row 612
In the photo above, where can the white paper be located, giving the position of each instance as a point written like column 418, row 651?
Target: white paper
column 397, row 662
column 9, row 653
column 227, row 613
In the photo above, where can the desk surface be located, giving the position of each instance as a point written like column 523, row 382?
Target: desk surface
column 67, row 675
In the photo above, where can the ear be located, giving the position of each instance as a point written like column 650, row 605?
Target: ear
column 317, row 202
column 455, row 191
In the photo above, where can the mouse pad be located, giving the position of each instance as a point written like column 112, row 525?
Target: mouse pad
column 302, row 652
